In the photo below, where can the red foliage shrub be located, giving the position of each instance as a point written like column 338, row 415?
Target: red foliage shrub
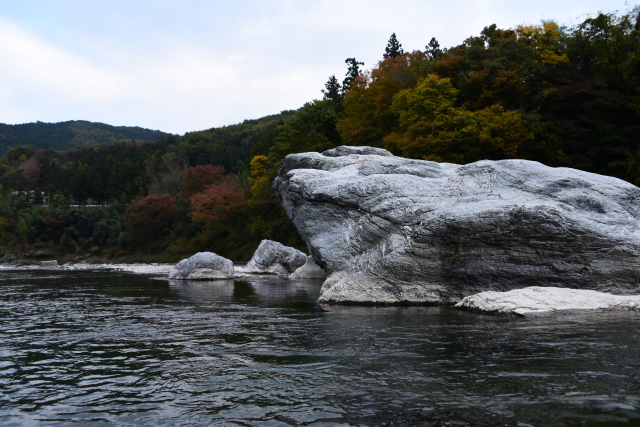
column 197, row 178
column 30, row 171
column 218, row 202
column 151, row 216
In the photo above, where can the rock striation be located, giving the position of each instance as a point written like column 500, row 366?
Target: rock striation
column 275, row 258
column 538, row 301
column 203, row 266
column 391, row 230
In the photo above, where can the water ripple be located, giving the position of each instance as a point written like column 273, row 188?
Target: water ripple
column 111, row 348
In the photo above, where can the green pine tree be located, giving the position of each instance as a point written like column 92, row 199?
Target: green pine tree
column 433, row 49
column 333, row 91
column 352, row 72
column 393, row 49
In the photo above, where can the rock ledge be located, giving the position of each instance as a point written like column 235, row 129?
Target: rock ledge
column 543, row 301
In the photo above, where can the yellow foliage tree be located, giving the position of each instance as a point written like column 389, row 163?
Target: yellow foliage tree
column 431, row 127
column 546, row 39
column 260, row 176
column 368, row 117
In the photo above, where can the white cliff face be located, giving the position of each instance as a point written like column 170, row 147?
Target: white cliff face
column 203, row 266
column 538, row 301
column 389, row 229
column 275, row 258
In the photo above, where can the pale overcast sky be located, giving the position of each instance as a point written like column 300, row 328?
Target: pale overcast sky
column 180, row 66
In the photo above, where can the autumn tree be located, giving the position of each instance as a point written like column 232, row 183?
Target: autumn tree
column 312, row 128
column 31, row 171
column 198, row 178
column 150, row 218
column 367, row 106
column 432, row 127
column 218, row 202
column 261, row 174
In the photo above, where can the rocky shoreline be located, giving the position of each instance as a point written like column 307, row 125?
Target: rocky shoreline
column 508, row 236
column 536, row 301
column 525, row 302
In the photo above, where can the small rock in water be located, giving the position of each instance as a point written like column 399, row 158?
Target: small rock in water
column 541, row 301
column 275, row 258
column 203, row 266
column 50, row 263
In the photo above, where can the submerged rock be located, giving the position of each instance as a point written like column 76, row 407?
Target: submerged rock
column 310, row 270
column 49, row 263
column 203, row 266
column 389, row 229
column 275, row 258
column 541, row 301
column 137, row 268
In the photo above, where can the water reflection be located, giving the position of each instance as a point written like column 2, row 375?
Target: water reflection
column 113, row 348
column 264, row 290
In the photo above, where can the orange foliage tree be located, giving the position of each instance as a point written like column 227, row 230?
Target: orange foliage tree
column 218, row 202
column 367, row 106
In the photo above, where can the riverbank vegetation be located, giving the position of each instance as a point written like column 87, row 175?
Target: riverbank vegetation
column 563, row 96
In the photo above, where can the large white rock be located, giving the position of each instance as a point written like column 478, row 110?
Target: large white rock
column 203, row 266
column 310, row 270
column 389, row 229
column 275, row 258
column 542, row 301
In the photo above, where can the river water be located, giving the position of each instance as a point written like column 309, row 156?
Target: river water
column 107, row 348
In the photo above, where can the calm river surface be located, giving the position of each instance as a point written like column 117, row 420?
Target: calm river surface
column 108, row 348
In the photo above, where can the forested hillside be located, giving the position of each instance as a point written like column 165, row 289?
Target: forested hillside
column 66, row 135
column 564, row 96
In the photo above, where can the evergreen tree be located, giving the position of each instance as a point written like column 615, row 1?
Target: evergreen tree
column 333, row 91
column 433, row 49
column 352, row 72
column 393, row 49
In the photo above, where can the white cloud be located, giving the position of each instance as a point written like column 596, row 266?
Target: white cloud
column 52, row 71
column 183, row 67
column 184, row 88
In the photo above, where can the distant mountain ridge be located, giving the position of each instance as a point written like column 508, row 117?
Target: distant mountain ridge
column 69, row 134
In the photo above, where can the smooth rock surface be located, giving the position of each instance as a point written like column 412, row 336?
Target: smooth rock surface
column 310, row 270
column 388, row 229
column 275, row 258
column 542, row 301
column 203, row 266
